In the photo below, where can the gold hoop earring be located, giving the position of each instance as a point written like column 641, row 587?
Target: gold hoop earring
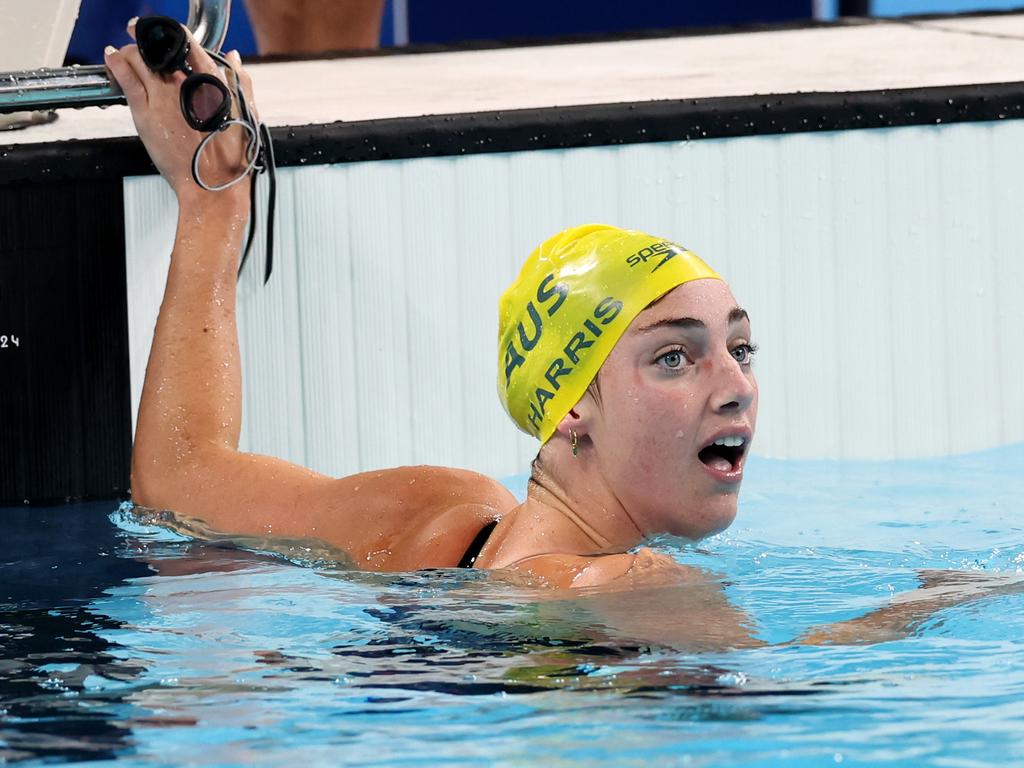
column 575, row 442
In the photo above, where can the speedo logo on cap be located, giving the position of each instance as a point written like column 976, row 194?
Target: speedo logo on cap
column 662, row 252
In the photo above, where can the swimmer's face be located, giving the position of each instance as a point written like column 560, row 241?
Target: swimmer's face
column 679, row 378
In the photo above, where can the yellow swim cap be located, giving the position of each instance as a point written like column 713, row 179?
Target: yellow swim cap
column 572, row 301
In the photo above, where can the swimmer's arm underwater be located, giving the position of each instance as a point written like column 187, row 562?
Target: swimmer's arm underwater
column 648, row 598
column 642, row 598
column 907, row 611
column 185, row 456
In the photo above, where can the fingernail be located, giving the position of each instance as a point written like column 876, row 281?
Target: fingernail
column 109, row 50
column 132, row 20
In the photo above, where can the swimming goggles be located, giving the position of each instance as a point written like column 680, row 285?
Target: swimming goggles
column 206, row 106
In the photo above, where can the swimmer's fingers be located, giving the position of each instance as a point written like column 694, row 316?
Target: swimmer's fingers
column 245, row 81
column 123, row 66
column 243, row 75
column 154, row 100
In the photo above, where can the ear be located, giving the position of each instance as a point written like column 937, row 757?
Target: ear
column 576, row 420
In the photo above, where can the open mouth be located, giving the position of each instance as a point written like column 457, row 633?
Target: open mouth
column 725, row 455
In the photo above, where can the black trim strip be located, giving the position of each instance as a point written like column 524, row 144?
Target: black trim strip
column 551, row 128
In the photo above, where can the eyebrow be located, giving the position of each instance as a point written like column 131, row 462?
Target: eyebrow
column 736, row 314
column 683, row 323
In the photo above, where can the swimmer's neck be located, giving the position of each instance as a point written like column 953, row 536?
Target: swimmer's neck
column 567, row 512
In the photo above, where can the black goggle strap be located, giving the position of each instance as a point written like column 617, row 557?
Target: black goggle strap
column 270, row 167
column 252, row 228
column 267, row 166
column 263, row 147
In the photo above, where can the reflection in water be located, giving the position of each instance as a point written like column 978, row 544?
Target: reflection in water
column 61, row 683
column 129, row 641
column 52, row 673
column 311, row 553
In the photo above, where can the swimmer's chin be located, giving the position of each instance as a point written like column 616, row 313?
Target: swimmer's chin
column 714, row 518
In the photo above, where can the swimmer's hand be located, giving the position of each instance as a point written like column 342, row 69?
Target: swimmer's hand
column 908, row 610
column 154, row 100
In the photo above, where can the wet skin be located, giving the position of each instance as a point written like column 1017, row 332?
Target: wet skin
column 186, row 455
column 679, row 377
column 668, row 388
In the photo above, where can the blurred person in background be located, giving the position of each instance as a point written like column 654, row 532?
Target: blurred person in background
column 266, row 27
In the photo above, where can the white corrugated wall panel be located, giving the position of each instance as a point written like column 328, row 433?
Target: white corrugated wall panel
column 326, row 319
column 270, row 339
column 860, row 252
column 1006, row 159
column 967, row 271
column 380, row 309
column 916, row 333
column 425, row 242
column 484, row 236
column 807, row 304
column 881, row 269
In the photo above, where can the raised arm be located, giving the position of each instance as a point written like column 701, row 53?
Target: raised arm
column 185, row 457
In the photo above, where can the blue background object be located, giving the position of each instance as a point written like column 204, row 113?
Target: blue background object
column 102, row 22
column 450, row 21
column 904, row 7
column 446, row 21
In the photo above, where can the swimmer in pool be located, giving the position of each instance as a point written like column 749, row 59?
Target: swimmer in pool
column 624, row 354
column 621, row 455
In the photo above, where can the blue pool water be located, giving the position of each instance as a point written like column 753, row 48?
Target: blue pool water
column 121, row 641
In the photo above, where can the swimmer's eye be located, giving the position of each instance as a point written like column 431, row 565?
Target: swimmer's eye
column 744, row 353
column 674, row 359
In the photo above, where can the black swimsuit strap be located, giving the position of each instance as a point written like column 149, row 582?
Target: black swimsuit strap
column 478, row 543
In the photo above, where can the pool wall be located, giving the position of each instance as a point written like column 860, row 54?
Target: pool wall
column 857, row 183
column 881, row 269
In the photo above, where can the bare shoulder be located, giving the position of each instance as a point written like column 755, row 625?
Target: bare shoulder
column 408, row 517
column 424, row 485
column 392, row 519
column 626, row 570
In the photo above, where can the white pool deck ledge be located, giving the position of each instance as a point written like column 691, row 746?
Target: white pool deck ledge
column 856, row 55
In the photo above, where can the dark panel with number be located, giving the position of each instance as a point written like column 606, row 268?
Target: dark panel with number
column 65, row 421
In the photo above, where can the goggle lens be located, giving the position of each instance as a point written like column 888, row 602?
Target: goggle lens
column 205, row 102
column 162, row 43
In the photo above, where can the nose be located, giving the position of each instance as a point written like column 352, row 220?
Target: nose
column 735, row 388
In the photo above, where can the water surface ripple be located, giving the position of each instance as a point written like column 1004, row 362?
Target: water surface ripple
column 125, row 641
